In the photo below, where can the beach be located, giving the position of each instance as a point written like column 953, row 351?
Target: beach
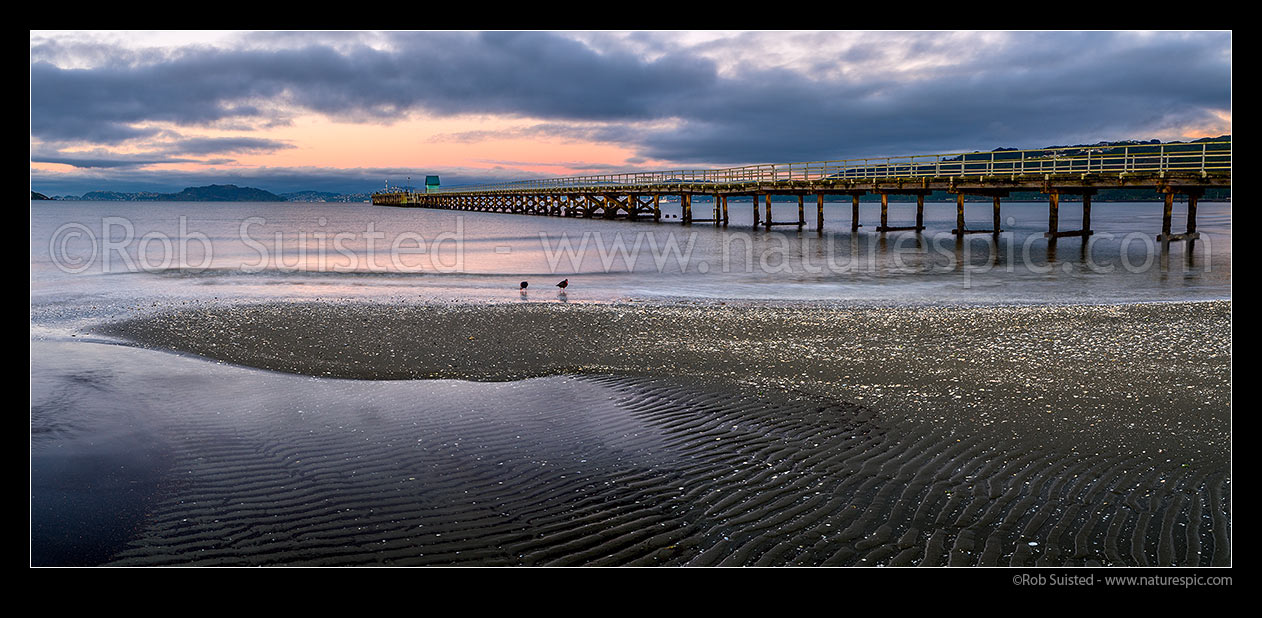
column 689, row 434
column 1124, row 369
column 235, row 411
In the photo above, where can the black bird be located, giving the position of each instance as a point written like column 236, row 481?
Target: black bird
column 564, row 284
column 525, row 284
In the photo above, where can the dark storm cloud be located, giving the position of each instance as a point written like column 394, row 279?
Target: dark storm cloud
column 546, row 76
column 1085, row 87
column 531, row 74
column 104, row 161
column 1017, row 90
column 219, row 145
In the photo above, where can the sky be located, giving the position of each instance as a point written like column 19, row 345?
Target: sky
column 349, row 111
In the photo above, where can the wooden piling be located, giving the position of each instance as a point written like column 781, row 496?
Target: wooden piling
column 1053, row 215
column 819, row 212
column 1192, row 197
column 657, row 207
column 1193, row 194
column 1166, row 214
column 959, row 215
column 768, row 198
column 725, row 211
column 995, row 231
column 885, row 205
column 994, row 194
column 1086, row 215
column 854, row 213
column 885, row 208
column 756, row 198
column 801, row 210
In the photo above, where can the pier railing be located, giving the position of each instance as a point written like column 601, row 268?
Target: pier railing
column 1128, row 159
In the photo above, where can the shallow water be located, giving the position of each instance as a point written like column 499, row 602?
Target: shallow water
column 124, row 251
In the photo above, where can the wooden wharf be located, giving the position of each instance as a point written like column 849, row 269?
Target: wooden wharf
column 1170, row 170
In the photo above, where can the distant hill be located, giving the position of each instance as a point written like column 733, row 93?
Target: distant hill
column 1151, row 142
column 208, row 193
column 212, row 193
column 224, row 193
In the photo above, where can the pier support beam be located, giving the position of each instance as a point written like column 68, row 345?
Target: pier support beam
column 724, row 211
column 996, row 224
column 1086, row 214
column 756, row 198
column 920, row 209
column 714, row 209
column 1194, row 194
column 1053, row 212
column 801, row 215
column 685, row 200
column 995, row 194
column 801, row 210
column 657, row 207
column 819, row 212
column 959, row 215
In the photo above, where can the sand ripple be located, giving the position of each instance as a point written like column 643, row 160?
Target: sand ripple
column 608, row 470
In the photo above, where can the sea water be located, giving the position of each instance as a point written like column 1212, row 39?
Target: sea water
column 122, row 252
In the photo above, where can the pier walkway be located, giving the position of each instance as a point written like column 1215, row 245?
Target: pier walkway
column 1170, row 170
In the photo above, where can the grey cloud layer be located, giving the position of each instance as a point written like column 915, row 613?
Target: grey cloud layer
column 176, row 151
column 276, row 180
column 1023, row 90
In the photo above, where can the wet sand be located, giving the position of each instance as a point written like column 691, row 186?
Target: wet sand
column 686, row 434
column 1119, row 377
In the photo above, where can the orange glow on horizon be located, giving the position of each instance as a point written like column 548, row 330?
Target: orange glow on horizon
column 1213, row 129
column 424, row 144
column 420, row 143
